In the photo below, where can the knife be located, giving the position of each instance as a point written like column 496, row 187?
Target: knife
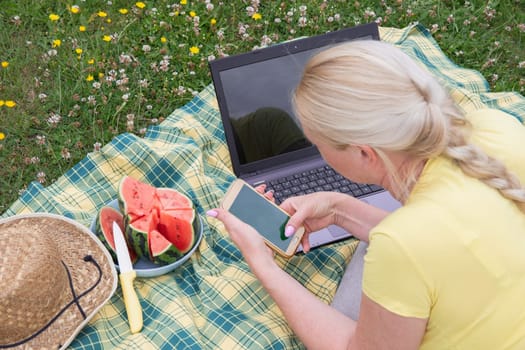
column 127, row 275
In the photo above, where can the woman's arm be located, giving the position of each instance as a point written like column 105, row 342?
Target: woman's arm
column 318, row 325
column 318, row 210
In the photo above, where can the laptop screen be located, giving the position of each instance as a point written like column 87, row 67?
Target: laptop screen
column 254, row 95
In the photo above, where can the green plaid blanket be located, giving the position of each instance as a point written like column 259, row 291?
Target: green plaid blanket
column 213, row 301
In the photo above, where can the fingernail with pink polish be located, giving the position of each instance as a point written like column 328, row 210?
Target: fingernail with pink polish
column 212, row 213
column 289, row 231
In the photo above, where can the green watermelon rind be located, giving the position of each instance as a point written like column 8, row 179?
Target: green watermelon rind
column 195, row 227
column 169, row 255
column 138, row 239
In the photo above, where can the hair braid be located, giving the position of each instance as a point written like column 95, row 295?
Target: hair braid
column 476, row 163
column 395, row 107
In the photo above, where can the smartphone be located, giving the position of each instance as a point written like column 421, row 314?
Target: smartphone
column 250, row 206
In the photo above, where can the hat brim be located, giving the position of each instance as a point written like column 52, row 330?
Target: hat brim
column 93, row 283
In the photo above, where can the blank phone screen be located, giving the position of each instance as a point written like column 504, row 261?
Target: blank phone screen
column 262, row 215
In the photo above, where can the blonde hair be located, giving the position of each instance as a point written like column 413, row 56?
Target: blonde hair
column 371, row 93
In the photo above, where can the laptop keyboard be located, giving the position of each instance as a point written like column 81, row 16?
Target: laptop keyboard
column 315, row 180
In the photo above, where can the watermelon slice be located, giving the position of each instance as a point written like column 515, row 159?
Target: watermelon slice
column 158, row 221
column 161, row 250
column 177, row 230
column 136, row 197
column 104, row 230
column 172, row 199
column 138, row 230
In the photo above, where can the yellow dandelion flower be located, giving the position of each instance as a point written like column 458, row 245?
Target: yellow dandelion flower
column 2, row 136
column 163, row 40
column 10, row 103
column 79, row 51
column 100, row 75
column 82, row 28
column 123, row 11
column 193, row 14
column 75, row 9
column 5, row 64
column 140, row 4
column 57, row 43
column 106, row 38
column 194, row 50
column 108, row 20
column 91, row 61
column 2, row 102
column 53, row 17
column 90, row 78
column 102, row 14
column 256, row 16
column 183, row 2
column 213, row 21
column 177, row 13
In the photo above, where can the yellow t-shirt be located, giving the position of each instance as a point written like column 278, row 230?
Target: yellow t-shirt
column 455, row 252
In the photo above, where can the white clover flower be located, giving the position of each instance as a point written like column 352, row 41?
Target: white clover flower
column 41, row 177
column 302, row 21
column 54, row 118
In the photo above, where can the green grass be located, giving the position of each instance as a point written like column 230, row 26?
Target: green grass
column 70, row 102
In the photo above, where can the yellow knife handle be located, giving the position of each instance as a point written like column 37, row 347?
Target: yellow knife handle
column 133, row 308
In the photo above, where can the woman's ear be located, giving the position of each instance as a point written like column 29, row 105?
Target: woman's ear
column 368, row 154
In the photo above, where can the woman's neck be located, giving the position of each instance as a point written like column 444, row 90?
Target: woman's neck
column 402, row 176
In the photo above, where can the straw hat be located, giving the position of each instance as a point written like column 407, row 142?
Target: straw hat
column 54, row 277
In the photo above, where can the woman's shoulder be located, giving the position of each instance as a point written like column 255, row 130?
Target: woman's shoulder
column 501, row 136
column 488, row 119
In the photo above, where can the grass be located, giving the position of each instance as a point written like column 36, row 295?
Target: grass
column 75, row 74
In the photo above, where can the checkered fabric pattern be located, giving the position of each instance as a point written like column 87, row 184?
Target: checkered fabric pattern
column 213, row 301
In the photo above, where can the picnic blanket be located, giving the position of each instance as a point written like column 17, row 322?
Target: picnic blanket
column 213, row 301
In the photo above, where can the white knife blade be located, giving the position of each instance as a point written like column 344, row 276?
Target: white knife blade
column 127, row 275
column 124, row 261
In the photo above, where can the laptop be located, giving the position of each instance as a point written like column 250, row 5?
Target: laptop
column 263, row 135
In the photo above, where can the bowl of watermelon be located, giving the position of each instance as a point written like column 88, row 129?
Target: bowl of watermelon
column 160, row 225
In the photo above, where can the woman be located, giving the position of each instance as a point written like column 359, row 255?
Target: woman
column 447, row 269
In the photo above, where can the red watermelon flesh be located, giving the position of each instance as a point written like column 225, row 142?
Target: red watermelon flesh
column 137, row 197
column 177, row 230
column 187, row 214
column 159, row 221
column 138, row 232
column 171, row 199
column 107, row 215
column 161, row 250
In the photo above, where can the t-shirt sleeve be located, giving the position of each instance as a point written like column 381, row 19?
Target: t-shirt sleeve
column 392, row 279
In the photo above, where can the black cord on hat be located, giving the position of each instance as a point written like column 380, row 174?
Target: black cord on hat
column 76, row 300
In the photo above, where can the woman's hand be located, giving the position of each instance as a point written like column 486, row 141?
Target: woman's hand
column 318, row 210
column 269, row 194
column 314, row 211
column 246, row 238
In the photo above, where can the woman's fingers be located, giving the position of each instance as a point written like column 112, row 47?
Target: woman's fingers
column 262, row 190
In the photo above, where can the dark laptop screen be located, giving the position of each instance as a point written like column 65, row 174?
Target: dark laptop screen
column 258, row 98
column 254, row 94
